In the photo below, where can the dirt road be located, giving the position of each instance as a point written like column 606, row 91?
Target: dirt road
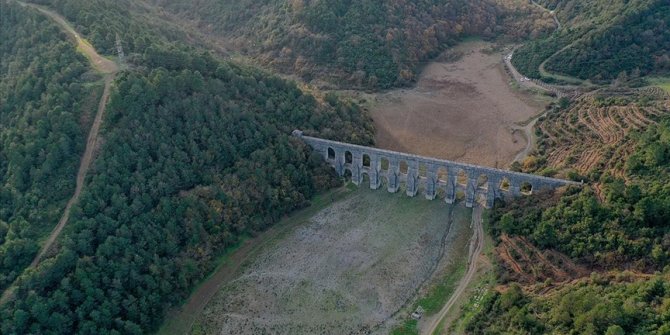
column 475, row 250
column 102, row 65
column 83, row 170
column 109, row 69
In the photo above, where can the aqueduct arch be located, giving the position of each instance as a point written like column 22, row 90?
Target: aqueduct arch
column 434, row 176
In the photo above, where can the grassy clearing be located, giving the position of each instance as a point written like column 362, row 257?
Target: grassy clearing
column 662, row 82
column 439, row 294
column 407, row 328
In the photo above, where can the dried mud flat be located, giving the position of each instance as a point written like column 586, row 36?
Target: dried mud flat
column 463, row 110
column 348, row 270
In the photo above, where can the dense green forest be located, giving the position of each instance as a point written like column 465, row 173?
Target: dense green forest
column 367, row 43
column 46, row 101
column 625, row 230
column 101, row 21
column 603, row 39
column 195, row 153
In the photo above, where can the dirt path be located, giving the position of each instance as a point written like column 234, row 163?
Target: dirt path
column 109, row 69
column 475, row 251
column 83, row 169
column 529, row 133
column 553, row 14
column 101, row 64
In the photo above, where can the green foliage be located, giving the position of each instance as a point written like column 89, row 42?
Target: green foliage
column 45, row 107
column 630, row 226
column 627, row 229
column 606, row 39
column 597, row 307
column 367, row 43
column 410, row 327
column 100, row 21
column 193, row 158
column 527, row 58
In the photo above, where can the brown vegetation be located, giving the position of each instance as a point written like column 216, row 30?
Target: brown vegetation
column 591, row 133
column 522, row 262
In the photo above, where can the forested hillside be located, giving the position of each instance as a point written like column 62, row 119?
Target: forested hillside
column 374, row 44
column 46, row 104
column 101, row 21
column 195, row 153
column 619, row 229
column 603, row 39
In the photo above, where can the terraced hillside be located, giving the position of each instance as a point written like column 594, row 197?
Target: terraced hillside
column 591, row 134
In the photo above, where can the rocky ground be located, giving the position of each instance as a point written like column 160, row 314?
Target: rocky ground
column 348, row 270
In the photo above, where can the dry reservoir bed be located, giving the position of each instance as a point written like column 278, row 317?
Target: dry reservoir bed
column 463, row 110
column 348, row 269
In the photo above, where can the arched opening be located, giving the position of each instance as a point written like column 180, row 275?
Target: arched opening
column 383, row 182
column 460, row 195
column 365, row 179
column 442, row 175
column 348, row 157
column 331, row 153
column 404, row 167
column 483, row 181
column 505, row 185
column 423, row 170
column 440, row 193
column 347, row 174
column 526, row 188
column 462, row 178
column 384, row 164
column 366, row 160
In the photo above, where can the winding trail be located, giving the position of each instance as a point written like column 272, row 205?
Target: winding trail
column 476, row 247
column 109, row 69
column 531, row 139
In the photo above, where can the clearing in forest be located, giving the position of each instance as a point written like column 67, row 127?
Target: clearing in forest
column 351, row 267
column 463, row 110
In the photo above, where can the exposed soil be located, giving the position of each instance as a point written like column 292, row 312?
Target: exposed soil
column 524, row 263
column 348, row 270
column 463, row 110
column 590, row 135
column 101, row 64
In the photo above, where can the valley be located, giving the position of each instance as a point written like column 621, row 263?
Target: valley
column 179, row 202
column 346, row 267
column 463, row 110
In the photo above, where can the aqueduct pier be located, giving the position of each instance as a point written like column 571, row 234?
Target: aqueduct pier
column 431, row 176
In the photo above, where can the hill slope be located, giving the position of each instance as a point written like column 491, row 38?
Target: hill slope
column 602, row 39
column 617, row 229
column 196, row 153
column 365, row 43
column 47, row 103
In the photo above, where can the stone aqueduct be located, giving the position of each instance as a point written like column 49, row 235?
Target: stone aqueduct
column 432, row 175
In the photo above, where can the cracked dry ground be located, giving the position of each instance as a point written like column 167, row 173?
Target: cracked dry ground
column 348, row 270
